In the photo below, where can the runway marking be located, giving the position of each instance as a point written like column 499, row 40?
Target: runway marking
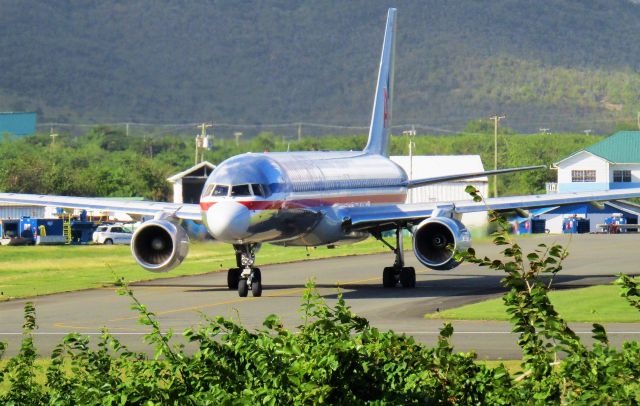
column 62, row 325
column 210, row 305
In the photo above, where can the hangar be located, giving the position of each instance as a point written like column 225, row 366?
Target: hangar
column 188, row 184
column 429, row 166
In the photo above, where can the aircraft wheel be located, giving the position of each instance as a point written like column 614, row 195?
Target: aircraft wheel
column 257, row 275
column 243, row 288
column 256, row 288
column 233, row 277
column 408, row 277
column 389, row 277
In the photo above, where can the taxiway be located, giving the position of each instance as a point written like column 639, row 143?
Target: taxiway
column 180, row 302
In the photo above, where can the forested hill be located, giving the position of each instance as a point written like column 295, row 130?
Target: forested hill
column 554, row 63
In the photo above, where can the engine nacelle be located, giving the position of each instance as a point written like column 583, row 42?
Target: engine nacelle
column 433, row 239
column 159, row 245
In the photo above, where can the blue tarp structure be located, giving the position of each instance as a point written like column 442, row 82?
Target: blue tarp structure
column 586, row 208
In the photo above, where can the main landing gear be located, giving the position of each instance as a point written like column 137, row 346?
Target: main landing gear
column 245, row 277
column 391, row 275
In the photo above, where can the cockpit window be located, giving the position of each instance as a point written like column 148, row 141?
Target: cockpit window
column 259, row 190
column 240, row 190
column 209, row 189
column 221, row 190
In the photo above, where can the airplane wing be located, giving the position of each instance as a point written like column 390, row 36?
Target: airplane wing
column 139, row 208
column 368, row 217
column 428, row 181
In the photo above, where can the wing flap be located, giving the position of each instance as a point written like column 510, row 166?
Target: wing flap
column 141, row 208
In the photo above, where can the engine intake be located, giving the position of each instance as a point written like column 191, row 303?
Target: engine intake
column 159, row 245
column 437, row 239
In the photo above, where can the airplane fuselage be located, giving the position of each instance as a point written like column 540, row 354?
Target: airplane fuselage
column 295, row 198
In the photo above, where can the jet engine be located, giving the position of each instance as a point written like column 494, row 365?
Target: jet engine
column 436, row 239
column 159, row 245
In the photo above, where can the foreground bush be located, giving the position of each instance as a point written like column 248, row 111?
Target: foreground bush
column 337, row 357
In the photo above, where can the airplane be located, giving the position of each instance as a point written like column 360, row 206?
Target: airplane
column 315, row 199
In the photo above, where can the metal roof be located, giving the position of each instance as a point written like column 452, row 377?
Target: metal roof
column 430, row 166
column 622, row 147
column 185, row 173
column 17, row 123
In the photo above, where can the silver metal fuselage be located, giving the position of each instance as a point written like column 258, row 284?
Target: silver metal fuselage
column 303, row 195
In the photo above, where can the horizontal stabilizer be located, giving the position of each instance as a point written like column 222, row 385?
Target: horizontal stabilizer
column 428, row 181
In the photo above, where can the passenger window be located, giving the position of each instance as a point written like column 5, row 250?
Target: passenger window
column 240, row 190
column 221, row 190
column 116, row 230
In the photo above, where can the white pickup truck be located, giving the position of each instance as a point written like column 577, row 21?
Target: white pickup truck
column 112, row 234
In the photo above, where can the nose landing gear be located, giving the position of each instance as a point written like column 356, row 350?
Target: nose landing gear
column 245, row 277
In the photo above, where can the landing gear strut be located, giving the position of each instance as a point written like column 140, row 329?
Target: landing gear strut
column 245, row 277
column 391, row 275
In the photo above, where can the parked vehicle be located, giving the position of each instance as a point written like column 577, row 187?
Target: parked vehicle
column 112, row 234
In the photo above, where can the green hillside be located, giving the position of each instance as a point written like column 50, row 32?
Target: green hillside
column 560, row 64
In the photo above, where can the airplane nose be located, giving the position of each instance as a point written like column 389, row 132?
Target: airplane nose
column 228, row 221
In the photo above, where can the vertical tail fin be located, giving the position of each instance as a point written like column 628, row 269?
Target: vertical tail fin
column 378, row 142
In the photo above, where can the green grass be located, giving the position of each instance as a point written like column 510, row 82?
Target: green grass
column 40, row 270
column 593, row 304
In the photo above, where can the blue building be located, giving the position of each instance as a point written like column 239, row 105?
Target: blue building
column 17, row 123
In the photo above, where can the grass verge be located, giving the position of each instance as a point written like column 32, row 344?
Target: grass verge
column 34, row 271
column 596, row 304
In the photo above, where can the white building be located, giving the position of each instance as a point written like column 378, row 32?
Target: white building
column 613, row 163
column 430, row 166
column 16, row 211
column 188, row 184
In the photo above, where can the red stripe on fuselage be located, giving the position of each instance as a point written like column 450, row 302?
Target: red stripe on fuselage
column 318, row 202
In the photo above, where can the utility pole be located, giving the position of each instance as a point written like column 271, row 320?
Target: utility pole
column 201, row 140
column 127, row 130
column 237, row 135
column 53, row 136
column 300, row 131
column 638, row 118
column 411, row 134
column 496, row 120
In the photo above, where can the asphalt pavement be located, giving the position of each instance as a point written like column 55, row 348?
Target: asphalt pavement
column 181, row 302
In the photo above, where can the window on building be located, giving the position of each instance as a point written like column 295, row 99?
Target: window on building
column 622, row 176
column 583, row 176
